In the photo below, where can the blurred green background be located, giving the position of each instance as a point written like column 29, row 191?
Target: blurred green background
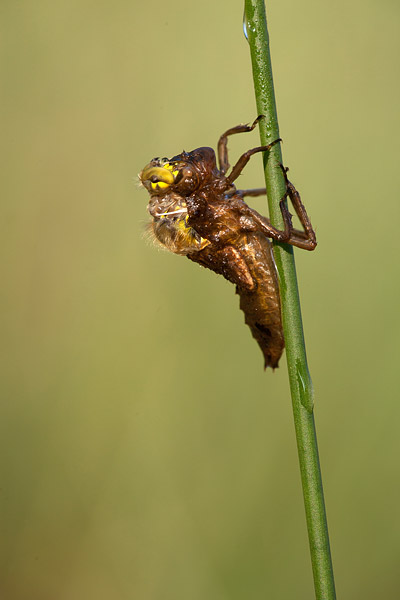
column 137, row 460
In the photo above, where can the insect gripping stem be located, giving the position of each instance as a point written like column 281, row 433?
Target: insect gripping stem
column 198, row 212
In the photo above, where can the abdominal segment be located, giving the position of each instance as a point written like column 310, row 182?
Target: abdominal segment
column 262, row 307
column 250, row 265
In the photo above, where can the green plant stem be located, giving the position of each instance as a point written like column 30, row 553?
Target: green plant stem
column 299, row 377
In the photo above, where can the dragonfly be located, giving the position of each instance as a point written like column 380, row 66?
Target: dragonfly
column 198, row 212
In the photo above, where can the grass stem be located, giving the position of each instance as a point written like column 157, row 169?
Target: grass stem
column 300, row 381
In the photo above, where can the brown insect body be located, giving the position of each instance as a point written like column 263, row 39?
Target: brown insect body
column 250, row 265
column 243, row 255
column 198, row 212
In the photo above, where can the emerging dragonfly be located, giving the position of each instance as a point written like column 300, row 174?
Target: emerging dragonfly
column 198, row 212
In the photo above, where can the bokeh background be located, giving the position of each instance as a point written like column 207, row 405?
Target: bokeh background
column 144, row 451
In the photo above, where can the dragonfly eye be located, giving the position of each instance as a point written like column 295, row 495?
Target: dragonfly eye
column 158, row 178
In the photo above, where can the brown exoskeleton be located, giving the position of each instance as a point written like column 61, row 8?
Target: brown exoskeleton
column 199, row 213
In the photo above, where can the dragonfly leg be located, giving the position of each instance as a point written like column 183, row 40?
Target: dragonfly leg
column 223, row 143
column 253, row 193
column 244, row 159
column 302, row 239
column 251, row 220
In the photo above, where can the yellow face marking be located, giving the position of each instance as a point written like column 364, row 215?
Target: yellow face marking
column 159, row 185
